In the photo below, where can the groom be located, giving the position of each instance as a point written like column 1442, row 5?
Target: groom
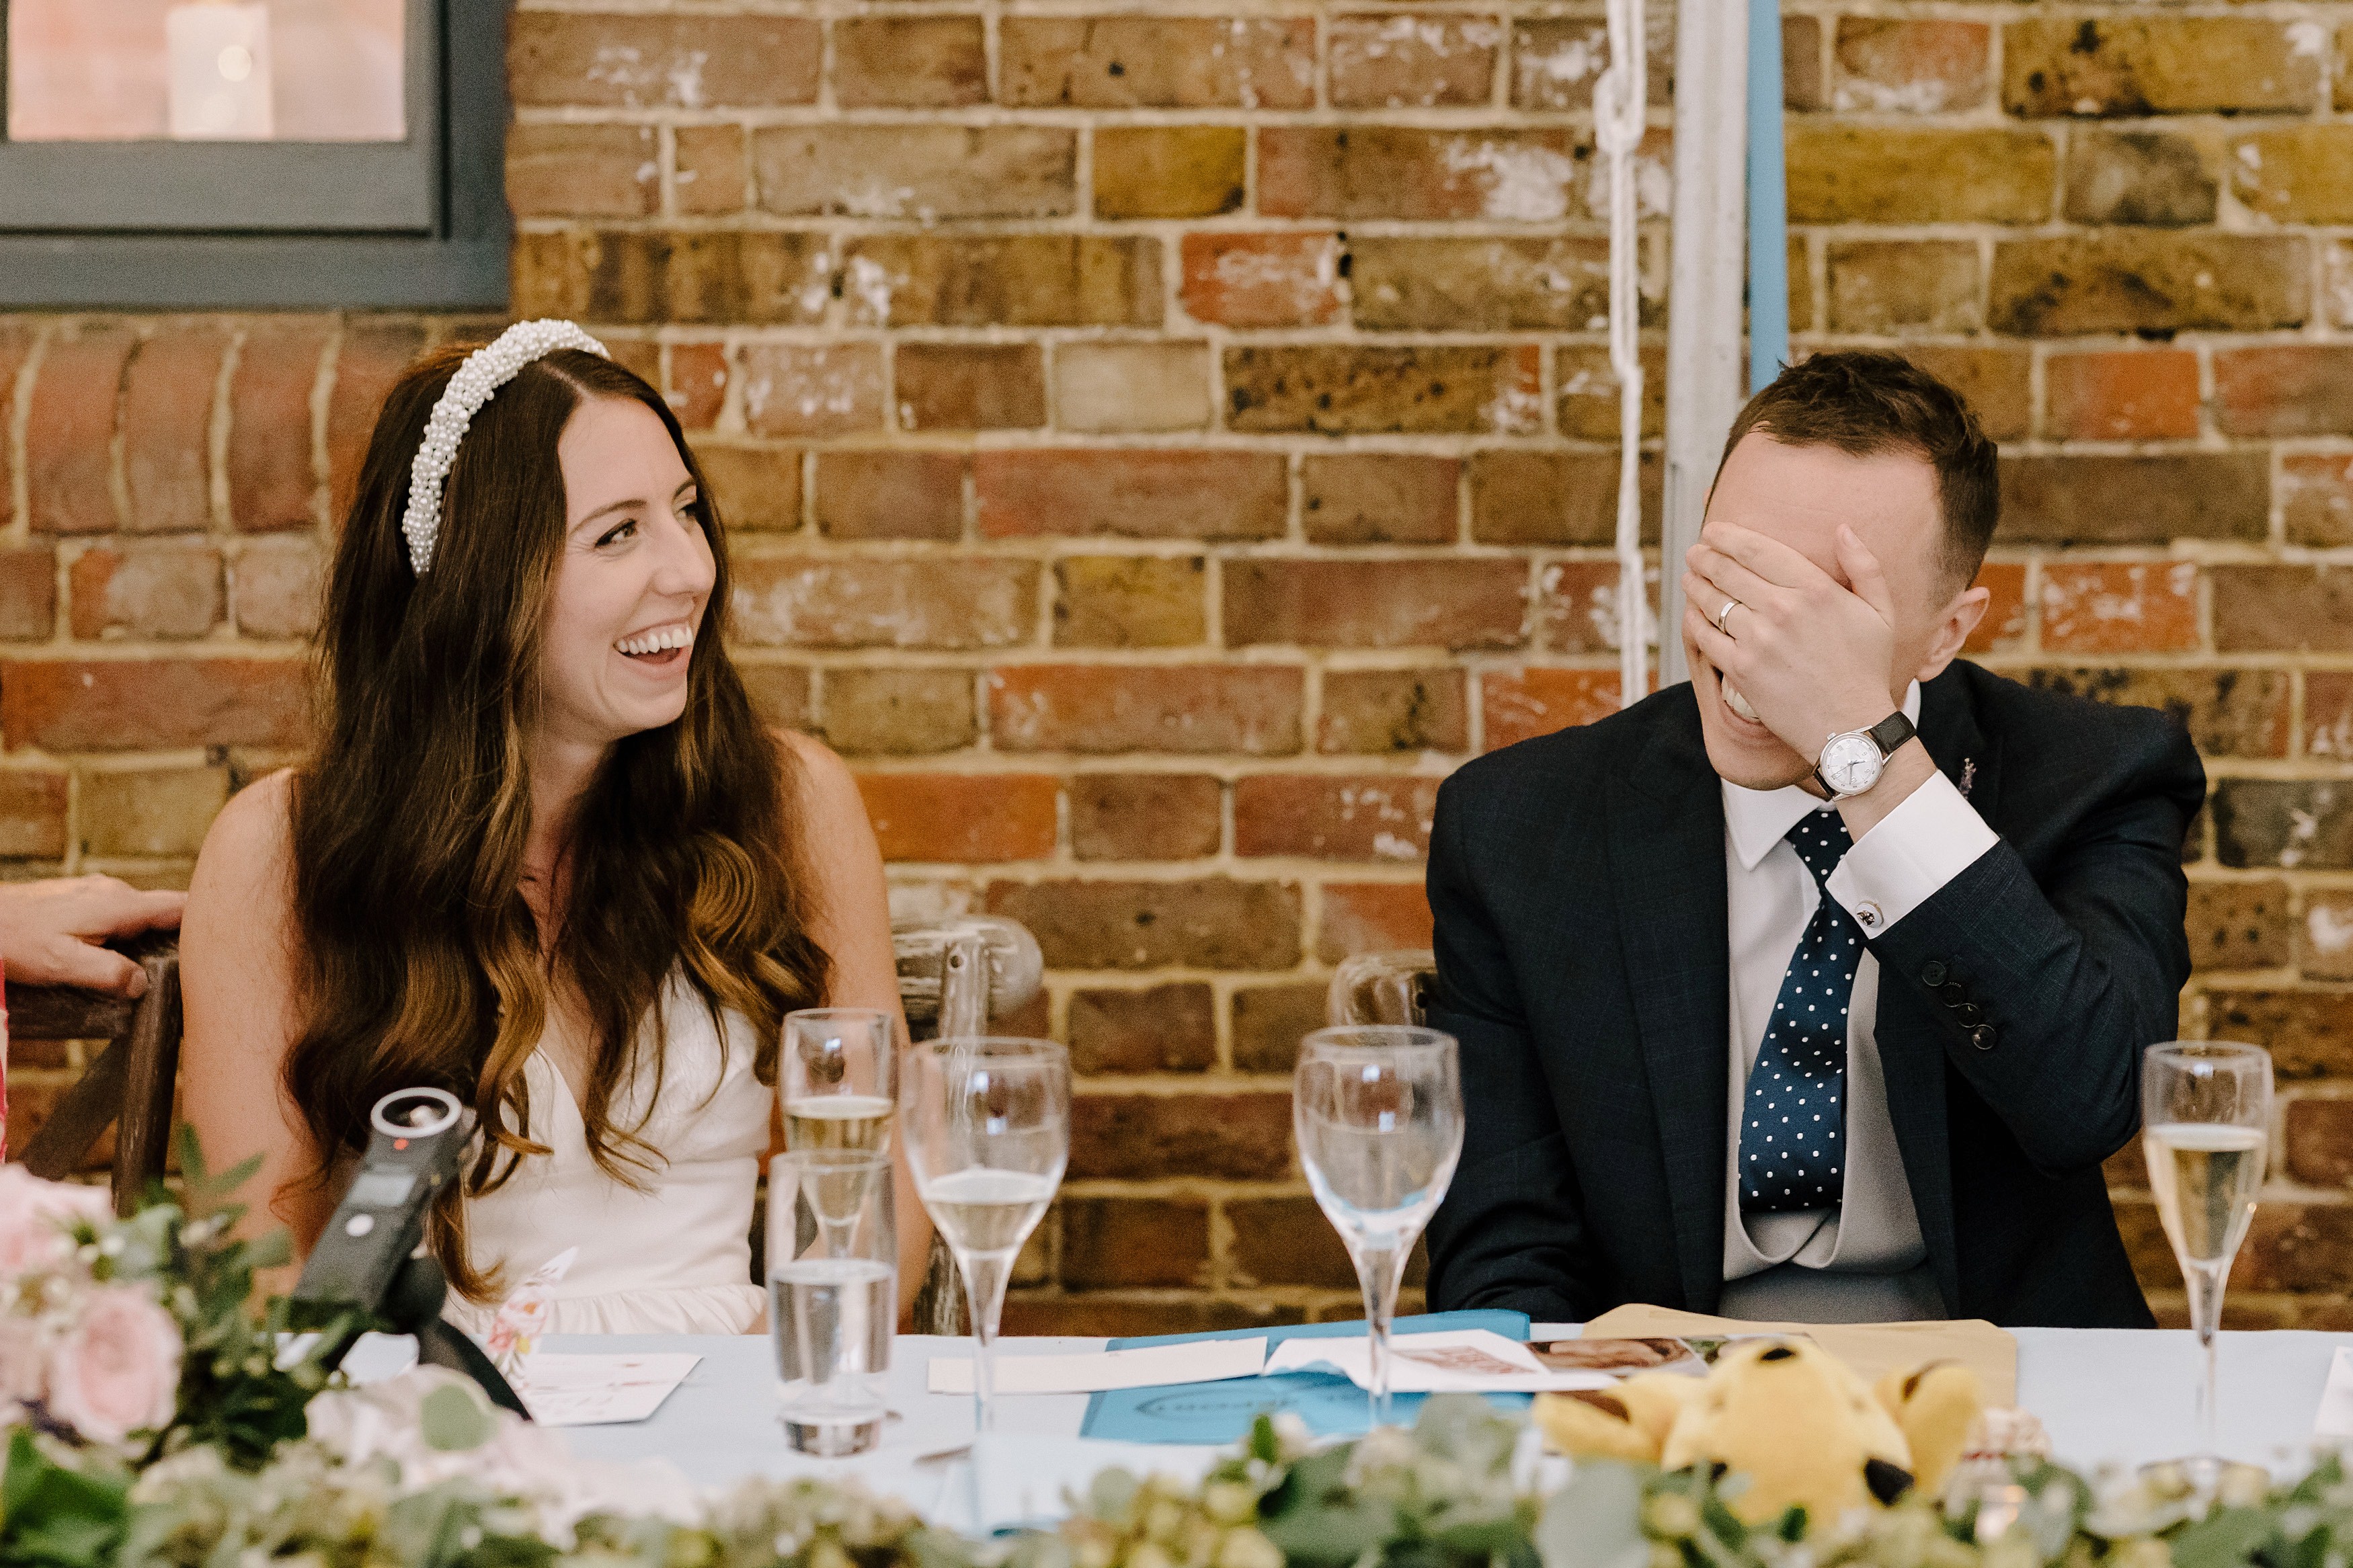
column 1815, row 989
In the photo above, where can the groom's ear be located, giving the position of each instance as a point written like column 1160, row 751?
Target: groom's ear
column 1960, row 618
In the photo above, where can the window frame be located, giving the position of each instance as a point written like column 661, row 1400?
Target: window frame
column 437, row 240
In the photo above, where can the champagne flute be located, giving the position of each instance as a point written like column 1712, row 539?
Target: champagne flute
column 2205, row 1124
column 837, row 1079
column 987, row 1124
column 1377, row 1109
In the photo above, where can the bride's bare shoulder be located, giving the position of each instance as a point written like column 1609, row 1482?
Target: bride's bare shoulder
column 246, row 849
column 825, row 782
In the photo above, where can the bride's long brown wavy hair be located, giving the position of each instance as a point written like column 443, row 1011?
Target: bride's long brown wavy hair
column 421, row 963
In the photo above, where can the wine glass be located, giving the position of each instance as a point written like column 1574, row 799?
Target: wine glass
column 1379, row 1113
column 2206, row 1111
column 987, row 1125
column 838, row 1078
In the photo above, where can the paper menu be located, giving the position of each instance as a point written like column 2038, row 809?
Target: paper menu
column 1207, row 1360
column 596, row 1390
column 1466, row 1361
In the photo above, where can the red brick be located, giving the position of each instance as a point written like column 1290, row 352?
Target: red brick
column 2134, row 66
column 2295, row 1246
column 167, row 411
column 779, row 693
column 1995, row 380
column 710, row 170
column 32, row 816
column 1524, row 497
column 29, row 594
column 2120, row 607
column 2147, row 177
column 1454, row 284
column 1111, row 1242
column 167, row 591
column 2328, row 714
column 698, row 383
column 2287, row 389
column 1589, row 395
column 1841, row 172
column 2004, row 627
column 1556, row 60
column 1163, row 1028
column 1801, row 64
column 2239, row 925
column 15, row 346
column 1286, row 1241
column 927, row 173
column 2121, row 396
column 1205, row 922
column 89, row 705
column 899, row 710
column 1106, row 1316
column 584, row 170
column 912, row 62
column 1193, row 708
column 2316, row 497
column 1144, row 817
column 271, row 483
column 2325, row 941
column 1401, row 172
column 956, row 280
column 969, row 386
column 1341, row 389
column 1407, row 59
column 2124, row 281
column 754, row 488
column 1139, row 494
column 2305, row 824
column 962, row 818
column 1538, row 701
column 367, row 362
column 1129, row 601
column 1439, row 603
column 1238, row 1137
column 796, row 389
column 699, row 62
column 2226, row 713
column 1579, row 610
column 2085, row 497
column 1362, row 817
column 1169, row 171
column 1158, row 62
column 2319, row 1147
column 1379, row 497
column 1910, row 67
column 1263, row 279
column 2284, row 608
column 1393, row 711
column 2309, row 1032
column 937, row 602
column 1371, row 917
column 890, row 495
column 69, row 431
column 276, row 586
column 1270, row 1020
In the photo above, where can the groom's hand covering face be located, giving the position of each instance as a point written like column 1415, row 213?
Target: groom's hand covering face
column 1836, row 568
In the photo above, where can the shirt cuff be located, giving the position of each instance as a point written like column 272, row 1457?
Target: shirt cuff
column 1930, row 839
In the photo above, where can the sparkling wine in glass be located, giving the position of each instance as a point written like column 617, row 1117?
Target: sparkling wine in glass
column 1377, row 1109
column 987, row 1125
column 2205, row 1129
column 838, row 1079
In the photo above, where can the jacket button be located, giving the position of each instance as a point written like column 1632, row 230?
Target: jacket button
column 1983, row 1037
column 1954, row 992
column 1932, row 974
column 1966, row 1013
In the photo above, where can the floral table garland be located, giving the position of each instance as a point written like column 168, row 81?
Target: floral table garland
column 152, row 1427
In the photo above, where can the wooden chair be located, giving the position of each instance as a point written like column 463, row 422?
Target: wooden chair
column 129, row 1087
column 1382, row 988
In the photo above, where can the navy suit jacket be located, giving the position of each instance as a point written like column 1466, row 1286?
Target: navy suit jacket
column 1577, row 882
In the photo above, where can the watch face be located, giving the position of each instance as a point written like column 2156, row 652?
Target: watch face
column 1850, row 764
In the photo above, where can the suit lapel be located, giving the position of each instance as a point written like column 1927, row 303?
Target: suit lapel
column 1666, row 861
column 1911, row 1055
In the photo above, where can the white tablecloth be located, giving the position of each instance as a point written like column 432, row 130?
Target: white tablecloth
column 2105, row 1396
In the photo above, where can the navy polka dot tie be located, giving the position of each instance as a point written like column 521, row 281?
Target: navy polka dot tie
column 1793, row 1147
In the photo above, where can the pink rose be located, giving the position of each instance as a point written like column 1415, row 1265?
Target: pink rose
column 24, row 1360
column 117, row 1370
column 33, row 1215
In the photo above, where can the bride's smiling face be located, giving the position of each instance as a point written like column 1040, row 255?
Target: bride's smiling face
column 632, row 580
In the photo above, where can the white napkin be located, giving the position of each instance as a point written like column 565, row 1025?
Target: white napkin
column 596, row 1390
column 2335, row 1416
column 1146, row 1366
column 1469, row 1360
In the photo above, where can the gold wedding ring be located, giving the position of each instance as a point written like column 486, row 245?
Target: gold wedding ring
column 1724, row 615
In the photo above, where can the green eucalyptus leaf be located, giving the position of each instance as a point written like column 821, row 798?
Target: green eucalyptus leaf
column 1594, row 1522
column 454, row 1420
column 2225, row 1537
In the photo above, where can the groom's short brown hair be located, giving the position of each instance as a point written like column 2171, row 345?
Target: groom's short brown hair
column 1864, row 404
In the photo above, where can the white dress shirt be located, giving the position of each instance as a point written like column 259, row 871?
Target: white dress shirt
column 1926, row 841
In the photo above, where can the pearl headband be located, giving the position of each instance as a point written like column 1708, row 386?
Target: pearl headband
column 478, row 380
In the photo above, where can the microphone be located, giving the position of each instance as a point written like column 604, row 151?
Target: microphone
column 370, row 1263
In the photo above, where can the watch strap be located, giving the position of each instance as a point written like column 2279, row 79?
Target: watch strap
column 1890, row 734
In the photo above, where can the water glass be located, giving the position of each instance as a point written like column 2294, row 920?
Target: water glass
column 833, row 1297
column 2206, row 1110
column 1377, row 1109
column 837, row 1078
column 987, row 1125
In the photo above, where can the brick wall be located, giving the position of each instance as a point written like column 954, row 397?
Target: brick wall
column 1163, row 442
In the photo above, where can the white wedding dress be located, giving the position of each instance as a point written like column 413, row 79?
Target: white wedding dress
column 673, row 1256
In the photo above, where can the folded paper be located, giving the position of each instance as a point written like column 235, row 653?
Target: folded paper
column 597, row 1390
column 1460, row 1360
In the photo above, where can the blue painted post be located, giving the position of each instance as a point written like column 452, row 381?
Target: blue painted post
column 1769, row 200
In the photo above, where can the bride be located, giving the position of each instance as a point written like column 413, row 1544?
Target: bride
column 543, row 857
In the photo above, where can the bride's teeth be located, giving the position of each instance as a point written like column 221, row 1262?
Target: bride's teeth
column 656, row 642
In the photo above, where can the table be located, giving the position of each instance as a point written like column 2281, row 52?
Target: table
column 2105, row 1396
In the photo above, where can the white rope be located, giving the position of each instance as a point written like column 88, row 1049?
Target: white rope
column 1620, row 115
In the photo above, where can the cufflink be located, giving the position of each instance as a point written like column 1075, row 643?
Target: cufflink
column 1867, row 914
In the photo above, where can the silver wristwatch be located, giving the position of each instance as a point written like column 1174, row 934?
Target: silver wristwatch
column 1853, row 759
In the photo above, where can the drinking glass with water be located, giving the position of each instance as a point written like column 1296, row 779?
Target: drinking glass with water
column 833, row 1296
